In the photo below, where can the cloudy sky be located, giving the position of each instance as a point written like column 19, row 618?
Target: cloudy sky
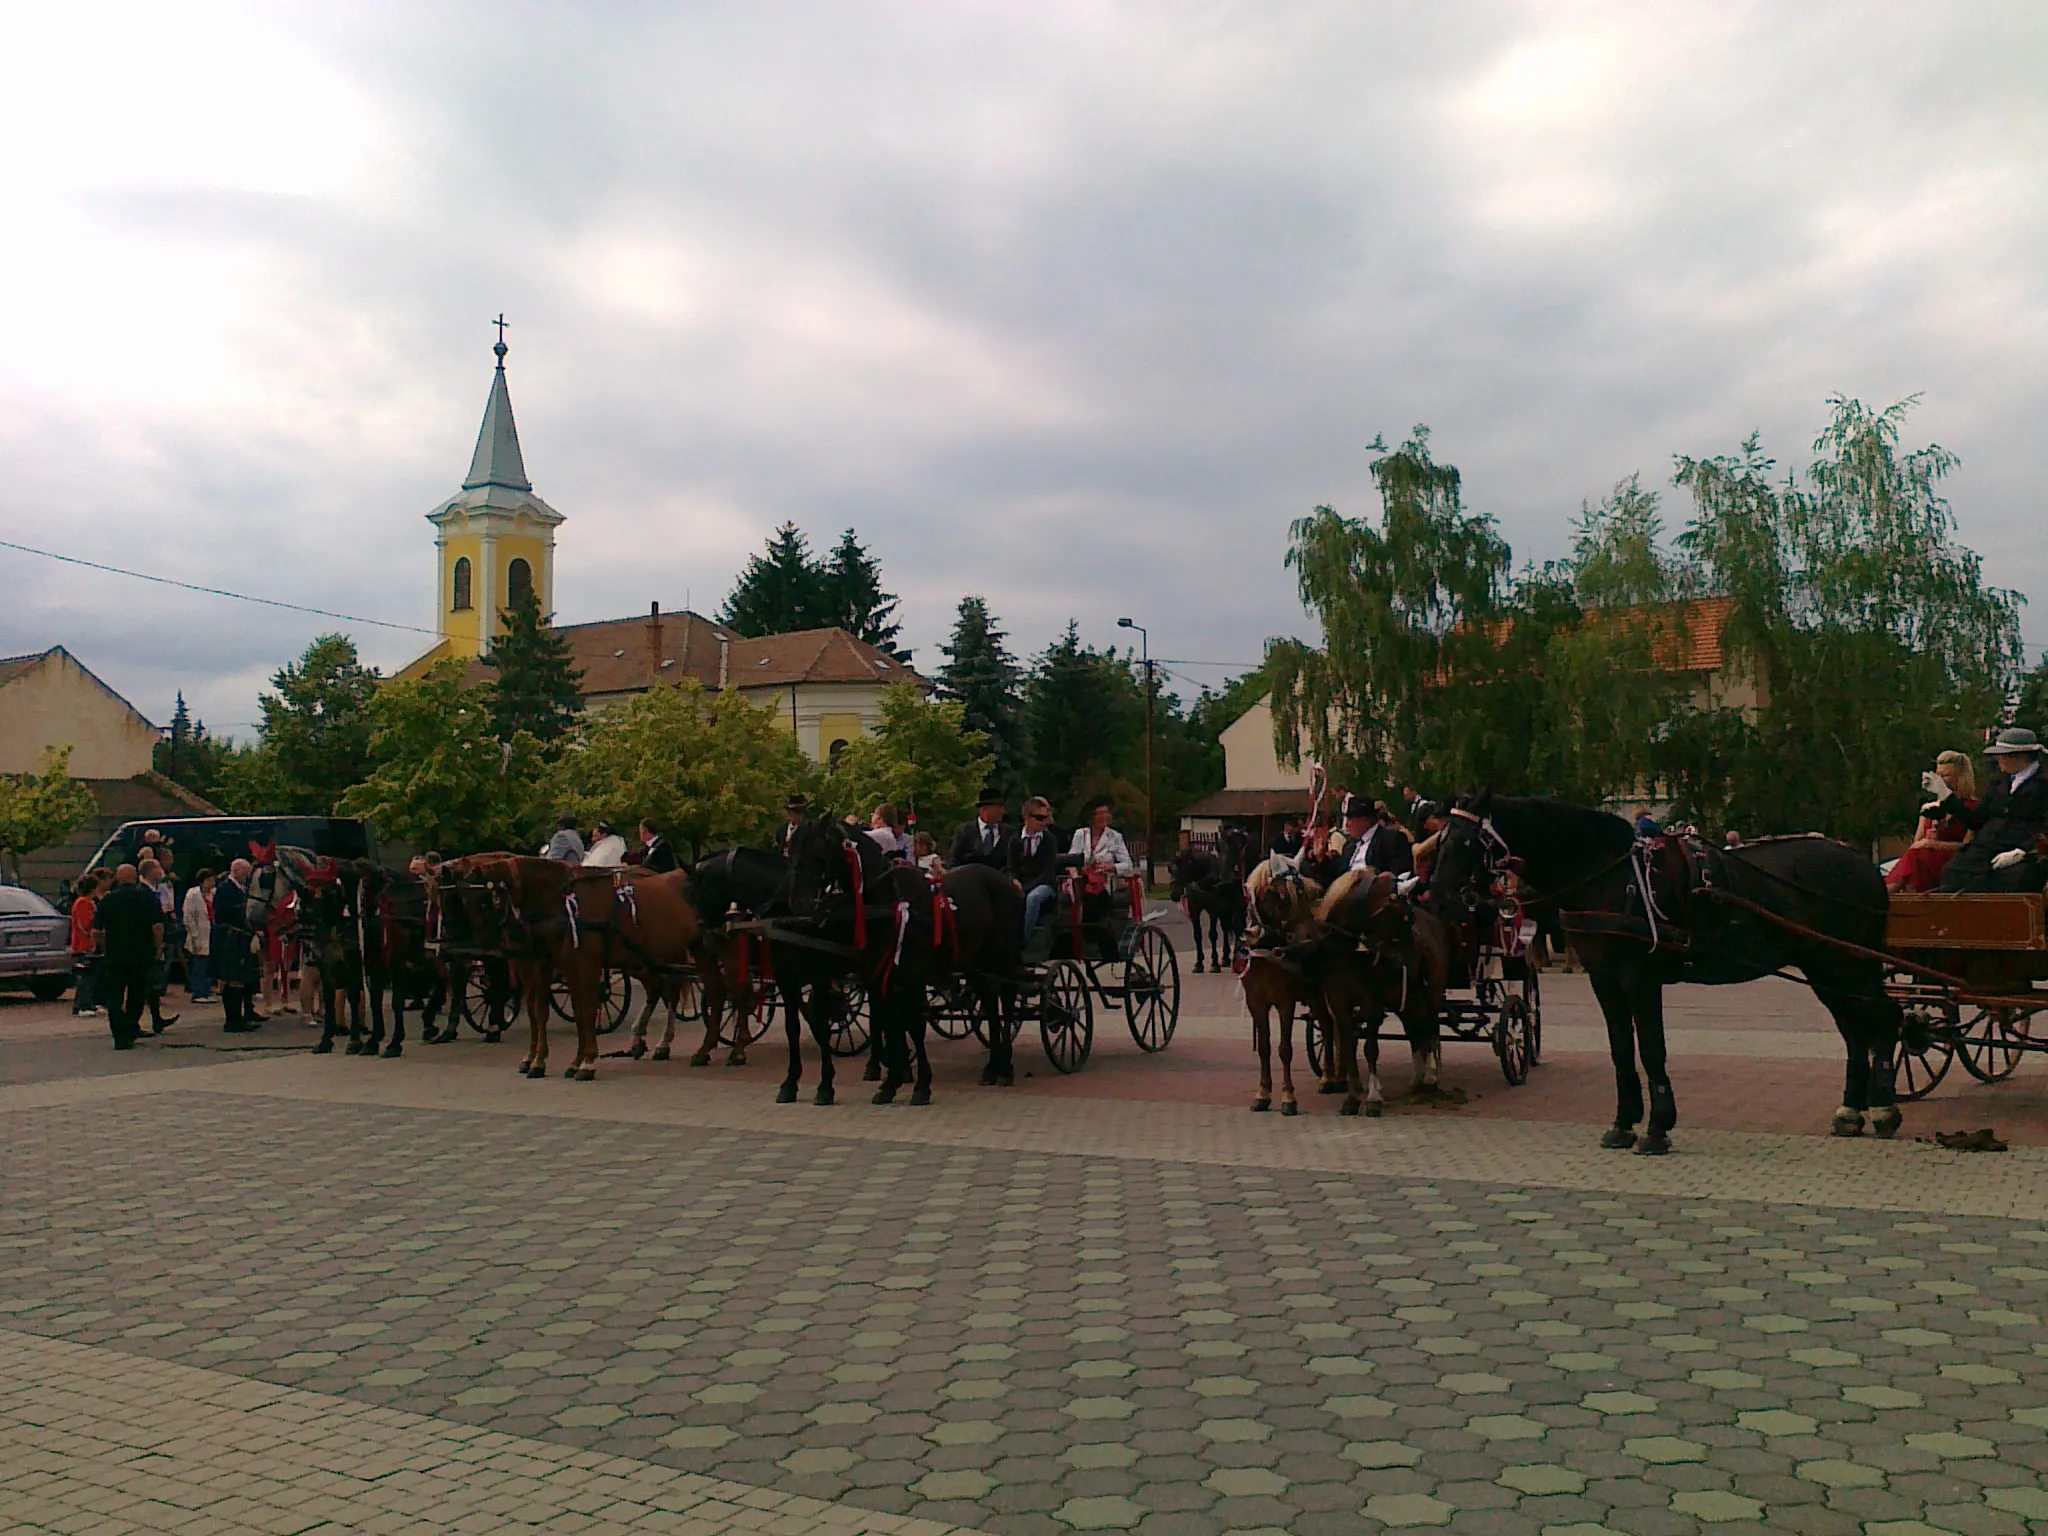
column 1074, row 305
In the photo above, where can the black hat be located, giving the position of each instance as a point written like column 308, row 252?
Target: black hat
column 1358, row 808
column 796, row 803
column 992, row 797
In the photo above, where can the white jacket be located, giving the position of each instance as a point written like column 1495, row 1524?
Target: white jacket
column 198, row 923
column 1108, row 849
column 606, row 853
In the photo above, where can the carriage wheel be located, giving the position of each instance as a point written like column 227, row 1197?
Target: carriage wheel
column 1532, row 998
column 1066, row 1016
column 1511, row 1041
column 614, row 1002
column 956, row 1017
column 559, row 1002
column 1992, row 1044
column 752, row 1011
column 1318, row 1047
column 480, row 1001
column 1919, row 1071
column 1151, row 988
column 849, row 1014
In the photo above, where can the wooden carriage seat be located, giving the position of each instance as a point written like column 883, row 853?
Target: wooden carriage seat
column 1973, row 920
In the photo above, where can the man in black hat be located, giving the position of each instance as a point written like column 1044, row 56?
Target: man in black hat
column 2008, row 821
column 794, row 809
column 984, row 840
column 655, row 853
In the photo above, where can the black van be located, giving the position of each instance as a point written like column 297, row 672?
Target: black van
column 213, row 842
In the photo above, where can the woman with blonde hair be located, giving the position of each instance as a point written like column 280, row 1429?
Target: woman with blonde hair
column 1935, row 840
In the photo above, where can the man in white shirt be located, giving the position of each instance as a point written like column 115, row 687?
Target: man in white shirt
column 1101, row 846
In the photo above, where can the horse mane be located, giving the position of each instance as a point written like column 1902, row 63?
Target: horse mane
column 1557, row 835
column 1374, row 887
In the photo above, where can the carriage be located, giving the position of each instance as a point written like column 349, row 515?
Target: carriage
column 1098, row 947
column 1968, row 972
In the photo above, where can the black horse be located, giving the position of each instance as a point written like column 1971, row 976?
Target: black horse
column 367, row 927
column 1643, row 915
column 855, row 913
column 1211, row 885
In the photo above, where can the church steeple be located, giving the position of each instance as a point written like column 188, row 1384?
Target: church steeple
column 495, row 539
column 497, row 460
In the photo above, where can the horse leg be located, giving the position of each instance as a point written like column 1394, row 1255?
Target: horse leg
column 533, row 992
column 1262, row 1042
column 890, row 1044
column 1289, row 1105
column 1621, row 1048
column 1883, row 1022
column 796, row 1014
column 877, row 1046
column 1859, row 1079
column 993, row 999
column 584, row 996
column 326, row 1045
column 1649, row 1011
column 639, row 1046
column 1375, row 1096
column 1332, row 1080
column 743, row 1024
column 397, row 992
column 915, row 1009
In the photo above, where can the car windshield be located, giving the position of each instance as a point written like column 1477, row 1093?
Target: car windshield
column 16, row 902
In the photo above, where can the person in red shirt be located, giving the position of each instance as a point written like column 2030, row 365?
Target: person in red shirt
column 84, row 945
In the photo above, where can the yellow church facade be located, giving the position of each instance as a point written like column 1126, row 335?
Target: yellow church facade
column 495, row 542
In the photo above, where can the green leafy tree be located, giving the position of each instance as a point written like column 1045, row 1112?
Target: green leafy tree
column 781, row 590
column 924, row 758
column 315, row 737
column 2031, row 706
column 982, row 677
column 440, row 777
column 39, row 809
column 853, row 599
column 1085, row 715
column 538, row 688
column 189, row 754
column 706, row 765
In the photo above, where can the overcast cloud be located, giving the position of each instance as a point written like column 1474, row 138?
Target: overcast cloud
column 1072, row 305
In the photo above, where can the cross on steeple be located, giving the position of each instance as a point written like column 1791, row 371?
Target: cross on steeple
column 501, row 349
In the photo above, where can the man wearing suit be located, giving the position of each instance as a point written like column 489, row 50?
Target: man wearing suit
column 2008, row 821
column 655, row 853
column 234, row 955
column 794, row 809
column 1387, row 847
column 984, row 840
column 1034, row 862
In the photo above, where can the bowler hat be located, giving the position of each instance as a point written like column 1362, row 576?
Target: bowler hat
column 2013, row 741
column 796, row 803
column 1357, row 808
column 992, row 797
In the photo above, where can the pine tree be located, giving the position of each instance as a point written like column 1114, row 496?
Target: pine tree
column 982, row 676
column 856, row 603
column 782, row 589
column 1086, row 716
column 538, row 688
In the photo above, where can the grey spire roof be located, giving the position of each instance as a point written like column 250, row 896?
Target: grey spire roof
column 497, row 460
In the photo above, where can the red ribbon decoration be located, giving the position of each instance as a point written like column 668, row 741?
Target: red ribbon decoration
column 860, row 906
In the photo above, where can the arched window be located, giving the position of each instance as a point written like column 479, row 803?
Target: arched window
column 832, row 757
column 518, row 584
column 458, row 598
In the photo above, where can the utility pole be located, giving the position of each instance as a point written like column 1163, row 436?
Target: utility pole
column 1145, row 655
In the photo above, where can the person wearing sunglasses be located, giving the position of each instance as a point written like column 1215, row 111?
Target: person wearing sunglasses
column 1034, row 859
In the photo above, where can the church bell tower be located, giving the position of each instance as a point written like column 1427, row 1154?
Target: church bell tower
column 495, row 539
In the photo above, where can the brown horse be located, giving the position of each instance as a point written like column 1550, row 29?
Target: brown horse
column 1377, row 953
column 1282, row 907
column 633, row 920
column 506, row 904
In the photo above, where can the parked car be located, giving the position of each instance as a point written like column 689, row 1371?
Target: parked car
column 215, row 841
column 35, row 944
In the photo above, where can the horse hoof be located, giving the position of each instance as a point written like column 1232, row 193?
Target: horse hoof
column 920, row 1096
column 1374, row 1109
column 1348, row 1107
column 1290, row 1109
column 701, row 1059
column 786, row 1094
column 660, row 1053
column 1618, row 1139
column 393, row 1051
column 492, row 1036
column 354, row 1048
column 568, row 1071
column 988, row 1077
column 1655, row 1144
column 1198, row 967
column 1886, row 1125
column 886, row 1094
column 637, row 1050
column 1846, row 1126
column 535, row 1071
column 585, row 1074
column 824, row 1098
column 324, row 1048
column 1328, row 1088
column 736, row 1059
column 1261, row 1106
column 1006, row 1080
column 873, row 1073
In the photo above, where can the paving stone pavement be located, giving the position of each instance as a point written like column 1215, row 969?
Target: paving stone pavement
column 1065, row 1332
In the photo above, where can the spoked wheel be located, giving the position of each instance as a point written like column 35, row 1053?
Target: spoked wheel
column 1993, row 1041
column 614, row 1000
column 1151, row 988
column 1511, row 1040
column 1066, row 1016
column 953, row 1015
column 1919, row 1071
column 483, row 1001
column 849, row 1015
column 1318, row 1046
column 1532, row 998
column 750, row 1010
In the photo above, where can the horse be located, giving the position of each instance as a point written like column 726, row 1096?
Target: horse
column 745, row 885
column 1283, row 903
column 508, row 906
column 1374, row 953
column 328, row 915
column 856, row 912
column 1211, row 885
column 372, row 922
column 1644, row 914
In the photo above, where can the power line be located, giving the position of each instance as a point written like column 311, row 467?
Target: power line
column 240, row 597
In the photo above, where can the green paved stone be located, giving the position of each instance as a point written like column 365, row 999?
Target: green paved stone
column 1474, row 1384
column 1096, row 1370
column 1664, row 1450
column 1539, row 1479
column 1714, row 1506
column 1980, row 1375
column 1246, row 1482
column 2027, row 1503
column 974, row 1390
column 843, row 1413
column 1114, row 1513
column 1583, row 1360
column 1776, row 1322
column 1233, row 1431
column 1618, row 1402
column 1382, row 1453
column 1100, row 1408
column 1840, row 1474
column 699, row 1437
column 1358, row 1407
column 1916, row 1338
column 484, row 1397
column 815, row 1460
column 1823, row 1359
column 1505, row 1426
column 1405, row 1509
column 1728, row 1381
column 729, row 1392
column 1952, row 1447
column 2038, row 1417
column 1776, row 1421
column 1096, row 1457
column 965, row 1432
column 1224, row 1386
column 1340, row 1365
column 1581, row 1528
column 954, row 1485
column 1882, row 1397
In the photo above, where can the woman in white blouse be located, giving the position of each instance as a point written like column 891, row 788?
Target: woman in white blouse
column 1101, row 846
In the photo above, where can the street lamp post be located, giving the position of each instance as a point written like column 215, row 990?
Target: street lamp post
column 1145, row 656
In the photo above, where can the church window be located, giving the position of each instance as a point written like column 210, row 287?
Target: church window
column 518, row 583
column 458, row 597
column 832, row 757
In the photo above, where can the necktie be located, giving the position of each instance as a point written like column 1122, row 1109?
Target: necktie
column 988, row 836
